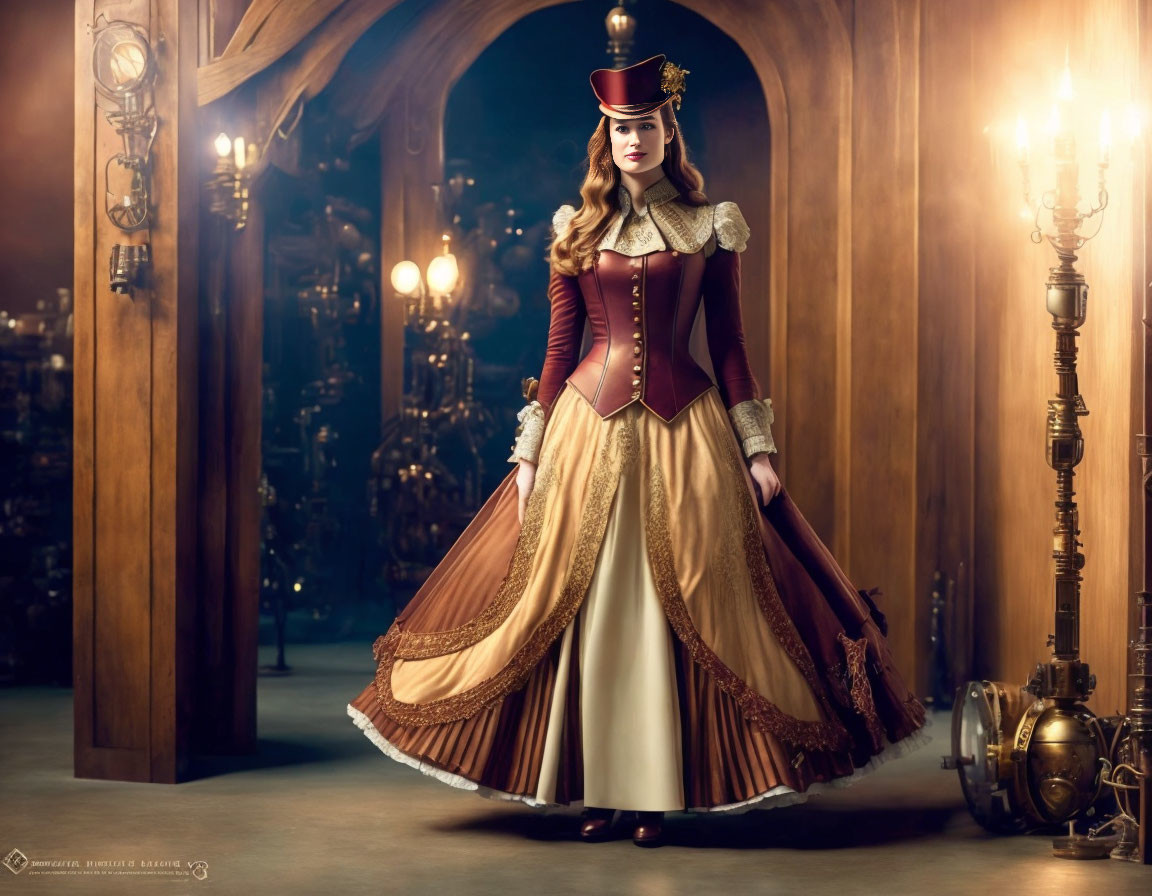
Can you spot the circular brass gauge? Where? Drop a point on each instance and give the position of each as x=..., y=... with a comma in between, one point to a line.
x=984, y=720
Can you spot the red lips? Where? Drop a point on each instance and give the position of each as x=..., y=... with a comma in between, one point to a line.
x=633, y=156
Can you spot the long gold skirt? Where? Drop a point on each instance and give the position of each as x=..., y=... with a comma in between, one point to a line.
x=631, y=649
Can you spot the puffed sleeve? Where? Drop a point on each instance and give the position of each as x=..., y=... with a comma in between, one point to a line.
x=751, y=416
x=565, y=335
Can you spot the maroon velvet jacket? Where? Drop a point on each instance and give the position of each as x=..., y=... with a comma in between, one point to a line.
x=641, y=310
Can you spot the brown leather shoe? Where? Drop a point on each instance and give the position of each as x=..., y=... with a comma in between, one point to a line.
x=649, y=830
x=596, y=823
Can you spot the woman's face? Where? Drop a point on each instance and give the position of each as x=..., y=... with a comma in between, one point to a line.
x=638, y=143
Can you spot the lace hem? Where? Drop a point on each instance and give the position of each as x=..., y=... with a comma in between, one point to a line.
x=778, y=797
x=390, y=749
x=783, y=795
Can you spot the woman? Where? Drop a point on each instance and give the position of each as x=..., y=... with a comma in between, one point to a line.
x=640, y=619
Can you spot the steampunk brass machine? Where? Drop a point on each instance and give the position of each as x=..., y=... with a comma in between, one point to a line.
x=1035, y=757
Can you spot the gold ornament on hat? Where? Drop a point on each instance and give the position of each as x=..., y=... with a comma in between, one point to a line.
x=672, y=80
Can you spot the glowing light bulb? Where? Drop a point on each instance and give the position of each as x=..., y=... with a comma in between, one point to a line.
x=223, y=145
x=443, y=274
x=405, y=277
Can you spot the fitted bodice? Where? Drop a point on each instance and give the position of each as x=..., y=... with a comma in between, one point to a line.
x=640, y=310
x=641, y=304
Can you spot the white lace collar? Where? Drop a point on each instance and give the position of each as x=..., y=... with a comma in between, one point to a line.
x=664, y=223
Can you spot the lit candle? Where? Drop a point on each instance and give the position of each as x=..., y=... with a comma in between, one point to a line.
x=241, y=156
x=1105, y=136
x=1065, y=93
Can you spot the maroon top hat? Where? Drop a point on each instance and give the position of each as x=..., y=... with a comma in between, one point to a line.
x=639, y=89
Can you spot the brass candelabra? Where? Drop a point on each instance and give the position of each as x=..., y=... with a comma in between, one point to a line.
x=1036, y=756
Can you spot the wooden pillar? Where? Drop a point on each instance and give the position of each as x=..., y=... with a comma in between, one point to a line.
x=229, y=506
x=135, y=427
x=412, y=163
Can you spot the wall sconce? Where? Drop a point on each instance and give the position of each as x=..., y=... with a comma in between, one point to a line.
x=124, y=69
x=228, y=186
x=440, y=281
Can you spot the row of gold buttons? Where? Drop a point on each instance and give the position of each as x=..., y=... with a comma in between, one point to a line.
x=637, y=332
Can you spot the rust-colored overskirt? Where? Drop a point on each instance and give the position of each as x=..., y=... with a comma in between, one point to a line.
x=784, y=681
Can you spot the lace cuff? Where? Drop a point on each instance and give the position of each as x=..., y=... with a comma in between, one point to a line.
x=752, y=420
x=529, y=434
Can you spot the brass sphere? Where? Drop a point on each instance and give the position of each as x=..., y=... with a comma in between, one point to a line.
x=1063, y=762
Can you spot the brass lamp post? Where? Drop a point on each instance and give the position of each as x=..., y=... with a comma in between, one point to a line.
x=1059, y=742
x=1036, y=756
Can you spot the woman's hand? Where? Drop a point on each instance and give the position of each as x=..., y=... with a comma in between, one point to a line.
x=760, y=467
x=525, y=480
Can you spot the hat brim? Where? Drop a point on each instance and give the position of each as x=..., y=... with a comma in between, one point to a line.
x=627, y=112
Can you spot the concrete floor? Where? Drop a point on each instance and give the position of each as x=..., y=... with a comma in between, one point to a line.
x=321, y=810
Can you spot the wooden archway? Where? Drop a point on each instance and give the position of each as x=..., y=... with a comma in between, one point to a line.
x=819, y=366
x=802, y=56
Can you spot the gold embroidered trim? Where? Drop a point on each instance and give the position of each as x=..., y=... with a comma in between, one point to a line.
x=629, y=439
x=731, y=228
x=593, y=522
x=666, y=223
x=753, y=420
x=855, y=653
x=638, y=236
x=764, y=582
x=685, y=228
x=657, y=194
x=412, y=645
x=816, y=735
x=529, y=434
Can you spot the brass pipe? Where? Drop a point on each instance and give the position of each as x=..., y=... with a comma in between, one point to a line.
x=1140, y=708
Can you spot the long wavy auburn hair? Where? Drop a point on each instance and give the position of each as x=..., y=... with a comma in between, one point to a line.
x=576, y=250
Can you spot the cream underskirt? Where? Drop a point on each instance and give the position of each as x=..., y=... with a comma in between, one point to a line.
x=629, y=707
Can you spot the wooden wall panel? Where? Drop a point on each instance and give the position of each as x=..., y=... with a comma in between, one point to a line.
x=882, y=431
x=947, y=237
